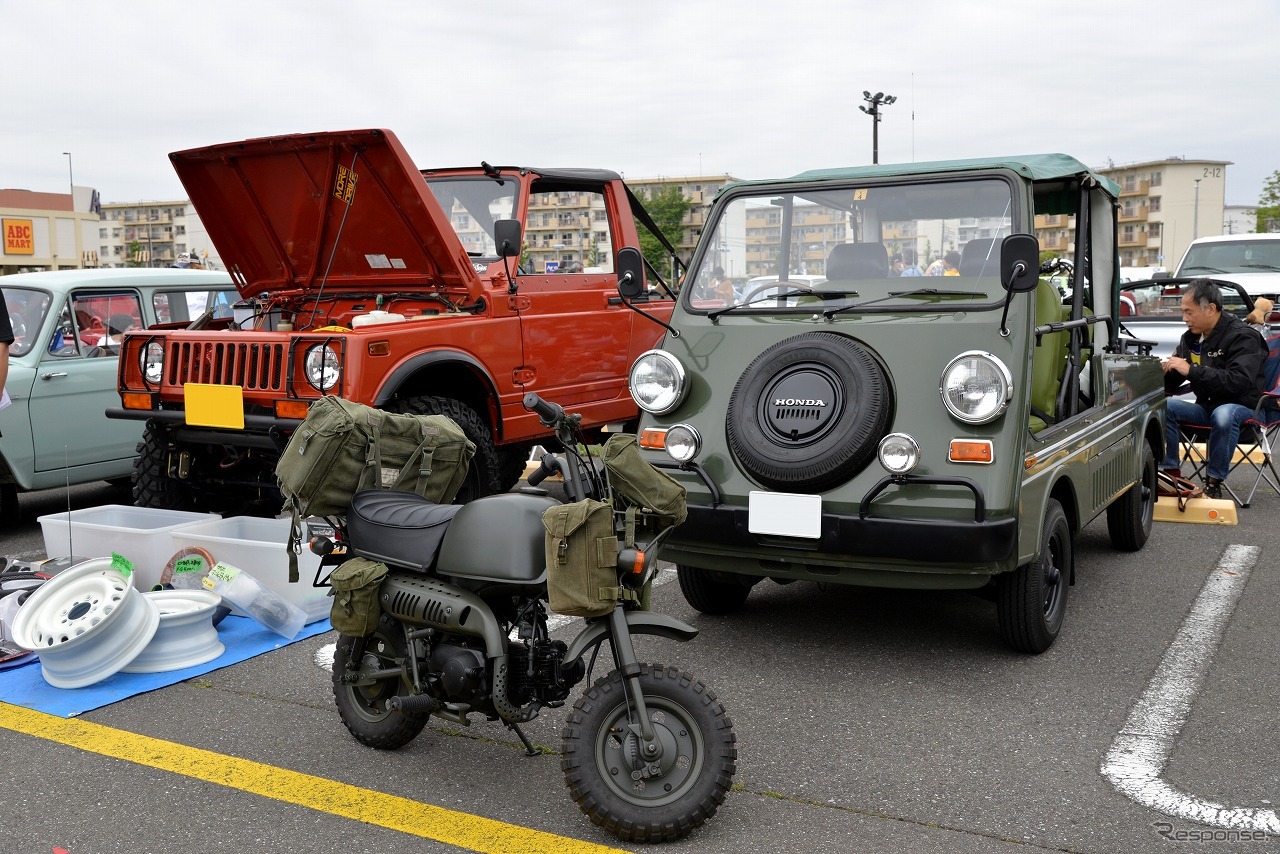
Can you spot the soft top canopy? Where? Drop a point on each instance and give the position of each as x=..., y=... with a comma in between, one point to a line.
x=1035, y=167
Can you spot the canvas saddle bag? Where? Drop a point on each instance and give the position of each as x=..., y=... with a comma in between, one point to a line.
x=343, y=447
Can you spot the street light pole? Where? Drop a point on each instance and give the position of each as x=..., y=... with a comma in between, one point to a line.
x=1195, y=221
x=72, y=177
x=876, y=101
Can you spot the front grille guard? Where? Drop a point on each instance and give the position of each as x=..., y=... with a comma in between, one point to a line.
x=269, y=366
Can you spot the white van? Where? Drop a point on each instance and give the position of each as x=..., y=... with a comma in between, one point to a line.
x=1250, y=260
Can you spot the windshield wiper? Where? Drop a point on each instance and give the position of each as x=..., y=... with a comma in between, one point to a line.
x=1262, y=266
x=797, y=289
x=933, y=292
x=1203, y=267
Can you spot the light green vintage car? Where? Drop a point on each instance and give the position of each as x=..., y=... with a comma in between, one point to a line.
x=62, y=368
x=950, y=423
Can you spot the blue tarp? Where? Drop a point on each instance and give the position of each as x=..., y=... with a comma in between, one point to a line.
x=242, y=637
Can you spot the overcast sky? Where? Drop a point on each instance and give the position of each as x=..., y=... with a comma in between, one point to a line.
x=754, y=89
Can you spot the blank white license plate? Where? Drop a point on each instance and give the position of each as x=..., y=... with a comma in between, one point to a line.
x=784, y=514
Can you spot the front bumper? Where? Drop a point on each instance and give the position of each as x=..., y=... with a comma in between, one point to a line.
x=939, y=542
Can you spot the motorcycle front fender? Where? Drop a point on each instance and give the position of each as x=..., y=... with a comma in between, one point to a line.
x=638, y=623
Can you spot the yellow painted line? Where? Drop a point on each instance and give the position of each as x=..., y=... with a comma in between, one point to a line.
x=390, y=811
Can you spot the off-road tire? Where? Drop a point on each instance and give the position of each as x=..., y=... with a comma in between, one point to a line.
x=8, y=505
x=801, y=446
x=709, y=594
x=697, y=767
x=511, y=463
x=152, y=486
x=1129, y=517
x=1031, y=601
x=484, y=475
x=364, y=709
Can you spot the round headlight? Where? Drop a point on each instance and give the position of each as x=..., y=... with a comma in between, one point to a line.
x=976, y=387
x=322, y=367
x=657, y=382
x=153, y=362
x=898, y=453
x=683, y=443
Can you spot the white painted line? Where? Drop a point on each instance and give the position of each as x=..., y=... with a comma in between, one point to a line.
x=1138, y=755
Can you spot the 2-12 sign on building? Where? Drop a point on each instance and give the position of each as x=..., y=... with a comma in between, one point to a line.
x=18, y=237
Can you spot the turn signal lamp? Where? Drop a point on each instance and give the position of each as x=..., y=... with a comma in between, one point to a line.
x=971, y=451
x=135, y=400
x=653, y=438
x=292, y=408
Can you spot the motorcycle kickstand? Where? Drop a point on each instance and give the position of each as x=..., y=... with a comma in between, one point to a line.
x=529, y=749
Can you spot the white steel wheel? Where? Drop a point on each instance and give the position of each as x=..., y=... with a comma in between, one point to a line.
x=85, y=623
x=186, y=636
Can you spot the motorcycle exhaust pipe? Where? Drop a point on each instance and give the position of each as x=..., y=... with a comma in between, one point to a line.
x=421, y=600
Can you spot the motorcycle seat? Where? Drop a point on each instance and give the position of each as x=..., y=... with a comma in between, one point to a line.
x=402, y=529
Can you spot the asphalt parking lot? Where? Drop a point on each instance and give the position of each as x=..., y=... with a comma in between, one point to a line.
x=867, y=720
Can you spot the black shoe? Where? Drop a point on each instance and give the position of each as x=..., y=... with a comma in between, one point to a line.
x=1212, y=487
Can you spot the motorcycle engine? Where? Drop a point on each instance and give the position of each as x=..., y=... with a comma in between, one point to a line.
x=540, y=671
x=462, y=671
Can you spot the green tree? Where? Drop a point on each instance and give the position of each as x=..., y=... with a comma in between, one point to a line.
x=668, y=207
x=1269, y=205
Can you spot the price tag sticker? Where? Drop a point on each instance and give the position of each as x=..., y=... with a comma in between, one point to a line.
x=188, y=564
x=223, y=572
x=122, y=564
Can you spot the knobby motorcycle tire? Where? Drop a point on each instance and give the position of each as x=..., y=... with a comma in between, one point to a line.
x=364, y=709
x=699, y=752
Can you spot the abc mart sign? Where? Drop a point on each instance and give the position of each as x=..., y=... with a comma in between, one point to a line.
x=19, y=238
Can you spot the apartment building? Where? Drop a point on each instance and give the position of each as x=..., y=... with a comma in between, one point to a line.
x=153, y=234
x=564, y=230
x=1164, y=205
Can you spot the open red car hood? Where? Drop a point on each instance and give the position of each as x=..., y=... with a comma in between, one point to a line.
x=277, y=207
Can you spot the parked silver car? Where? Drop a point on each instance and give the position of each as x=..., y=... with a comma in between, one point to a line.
x=62, y=368
x=1152, y=310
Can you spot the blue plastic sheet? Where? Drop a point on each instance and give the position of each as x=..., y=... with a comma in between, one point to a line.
x=242, y=637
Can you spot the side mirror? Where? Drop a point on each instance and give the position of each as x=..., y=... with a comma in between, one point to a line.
x=1020, y=263
x=506, y=235
x=630, y=272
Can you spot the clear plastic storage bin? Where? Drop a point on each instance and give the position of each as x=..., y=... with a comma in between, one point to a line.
x=140, y=534
x=258, y=546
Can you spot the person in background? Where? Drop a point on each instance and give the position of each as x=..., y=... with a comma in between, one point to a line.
x=935, y=268
x=117, y=326
x=909, y=266
x=1223, y=360
x=951, y=263
x=1258, y=317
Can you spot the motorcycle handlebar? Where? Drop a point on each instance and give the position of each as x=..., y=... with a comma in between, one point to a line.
x=548, y=413
x=548, y=467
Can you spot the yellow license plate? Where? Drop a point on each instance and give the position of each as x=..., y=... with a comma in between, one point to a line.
x=211, y=405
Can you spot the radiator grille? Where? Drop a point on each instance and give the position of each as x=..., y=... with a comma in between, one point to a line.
x=249, y=365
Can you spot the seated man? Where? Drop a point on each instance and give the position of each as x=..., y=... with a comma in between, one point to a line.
x=1222, y=358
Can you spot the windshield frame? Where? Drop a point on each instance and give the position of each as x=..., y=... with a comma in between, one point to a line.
x=843, y=297
x=484, y=251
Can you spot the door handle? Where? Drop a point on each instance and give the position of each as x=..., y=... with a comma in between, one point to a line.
x=53, y=375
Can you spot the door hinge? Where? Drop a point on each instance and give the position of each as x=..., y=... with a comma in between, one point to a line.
x=517, y=302
x=523, y=376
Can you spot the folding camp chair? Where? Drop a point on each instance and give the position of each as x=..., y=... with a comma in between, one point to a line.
x=1259, y=436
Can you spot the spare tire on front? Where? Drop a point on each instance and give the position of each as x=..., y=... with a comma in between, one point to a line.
x=807, y=413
